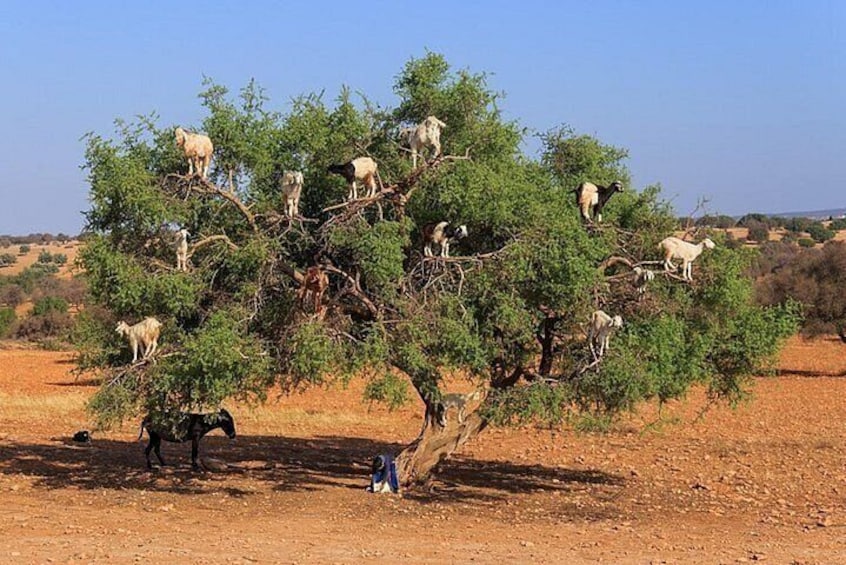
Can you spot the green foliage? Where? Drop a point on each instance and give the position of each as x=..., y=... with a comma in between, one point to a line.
x=7, y=318
x=716, y=221
x=819, y=232
x=235, y=323
x=388, y=389
x=806, y=242
x=24, y=249
x=46, y=257
x=50, y=304
x=838, y=224
x=575, y=158
x=7, y=259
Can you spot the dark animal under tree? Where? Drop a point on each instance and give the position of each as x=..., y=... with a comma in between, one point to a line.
x=188, y=426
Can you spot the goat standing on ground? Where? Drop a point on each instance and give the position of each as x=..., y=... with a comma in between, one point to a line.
x=182, y=250
x=441, y=234
x=363, y=169
x=675, y=248
x=314, y=284
x=292, y=187
x=601, y=327
x=426, y=134
x=591, y=198
x=188, y=426
x=145, y=332
x=198, y=149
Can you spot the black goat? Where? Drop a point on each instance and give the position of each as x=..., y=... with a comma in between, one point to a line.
x=188, y=426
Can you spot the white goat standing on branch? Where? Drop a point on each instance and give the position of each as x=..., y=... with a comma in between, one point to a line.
x=675, y=248
x=601, y=327
x=198, y=149
x=145, y=332
x=292, y=187
x=426, y=134
x=182, y=250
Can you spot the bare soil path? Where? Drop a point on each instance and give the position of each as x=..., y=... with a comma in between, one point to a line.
x=763, y=482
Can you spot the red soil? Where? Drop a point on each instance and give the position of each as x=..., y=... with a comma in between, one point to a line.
x=763, y=482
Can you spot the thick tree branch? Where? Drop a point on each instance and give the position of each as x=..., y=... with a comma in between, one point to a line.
x=203, y=186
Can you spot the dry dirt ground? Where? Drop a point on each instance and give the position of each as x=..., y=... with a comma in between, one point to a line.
x=763, y=482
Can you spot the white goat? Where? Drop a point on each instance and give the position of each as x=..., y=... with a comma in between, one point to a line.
x=145, y=332
x=292, y=187
x=642, y=277
x=426, y=134
x=198, y=149
x=675, y=248
x=182, y=250
x=601, y=327
x=363, y=169
x=441, y=234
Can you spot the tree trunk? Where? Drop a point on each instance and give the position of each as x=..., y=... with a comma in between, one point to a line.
x=435, y=443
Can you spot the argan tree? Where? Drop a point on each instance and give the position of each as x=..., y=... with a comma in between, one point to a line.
x=507, y=311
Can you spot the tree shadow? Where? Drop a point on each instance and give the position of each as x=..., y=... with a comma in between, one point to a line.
x=287, y=464
x=82, y=382
x=808, y=373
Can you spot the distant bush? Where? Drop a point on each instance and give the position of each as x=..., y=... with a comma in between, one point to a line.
x=7, y=259
x=806, y=242
x=29, y=278
x=12, y=295
x=24, y=249
x=50, y=304
x=758, y=231
x=50, y=325
x=7, y=318
x=45, y=257
x=819, y=232
x=838, y=224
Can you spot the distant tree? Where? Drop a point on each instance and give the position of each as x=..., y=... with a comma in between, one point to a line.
x=813, y=277
x=24, y=249
x=819, y=232
x=721, y=221
x=45, y=257
x=7, y=259
x=838, y=224
x=507, y=310
x=758, y=231
x=798, y=225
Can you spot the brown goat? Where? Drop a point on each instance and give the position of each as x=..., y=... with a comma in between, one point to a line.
x=315, y=282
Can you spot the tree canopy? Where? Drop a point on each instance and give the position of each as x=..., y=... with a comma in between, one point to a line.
x=509, y=310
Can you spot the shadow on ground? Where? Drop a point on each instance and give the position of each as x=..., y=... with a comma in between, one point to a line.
x=286, y=464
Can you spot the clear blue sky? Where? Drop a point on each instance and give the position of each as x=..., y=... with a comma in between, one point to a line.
x=740, y=101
